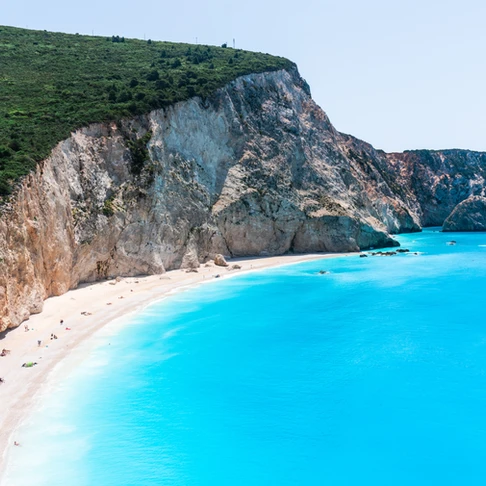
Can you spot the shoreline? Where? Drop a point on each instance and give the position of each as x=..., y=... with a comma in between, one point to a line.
x=86, y=310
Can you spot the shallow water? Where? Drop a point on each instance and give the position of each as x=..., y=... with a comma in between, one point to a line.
x=372, y=374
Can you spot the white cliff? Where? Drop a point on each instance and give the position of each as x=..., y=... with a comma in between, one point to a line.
x=257, y=169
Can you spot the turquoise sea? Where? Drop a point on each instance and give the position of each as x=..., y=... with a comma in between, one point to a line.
x=371, y=374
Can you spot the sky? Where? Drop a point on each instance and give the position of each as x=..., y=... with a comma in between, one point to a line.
x=400, y=75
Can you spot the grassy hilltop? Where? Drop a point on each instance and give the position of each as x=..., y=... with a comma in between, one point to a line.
x=53, y=83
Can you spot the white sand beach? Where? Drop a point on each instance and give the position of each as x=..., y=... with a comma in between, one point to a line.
x=84, y=311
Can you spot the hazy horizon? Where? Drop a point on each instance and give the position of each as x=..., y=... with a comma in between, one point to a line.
x=400, y=77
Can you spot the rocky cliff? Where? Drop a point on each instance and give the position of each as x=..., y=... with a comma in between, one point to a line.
x=433, y=182
x=469, y=215
x=256, y=169
x=428, y=183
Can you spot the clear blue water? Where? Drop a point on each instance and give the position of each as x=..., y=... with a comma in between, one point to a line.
x=373, y=374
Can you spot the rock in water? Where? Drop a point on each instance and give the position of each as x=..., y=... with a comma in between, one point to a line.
x=220, y=260
x=469, y=215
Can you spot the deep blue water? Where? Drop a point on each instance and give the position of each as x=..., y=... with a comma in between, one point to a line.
x=372, y=374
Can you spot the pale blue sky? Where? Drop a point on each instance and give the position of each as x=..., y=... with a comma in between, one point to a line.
x=400, y=75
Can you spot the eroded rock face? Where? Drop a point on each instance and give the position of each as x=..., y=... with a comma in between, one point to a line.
x=433, y=182
x=256, y=169
x=416, y=188
x=469, y=215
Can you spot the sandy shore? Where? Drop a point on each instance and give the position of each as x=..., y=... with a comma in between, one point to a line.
x=84, y=311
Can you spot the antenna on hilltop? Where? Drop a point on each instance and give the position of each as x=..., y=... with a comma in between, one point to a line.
x=196, y=40
x=234, y=43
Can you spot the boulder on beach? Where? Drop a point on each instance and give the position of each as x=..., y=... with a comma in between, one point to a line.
x=190, y=261
x=220, y=260
x=234, y=267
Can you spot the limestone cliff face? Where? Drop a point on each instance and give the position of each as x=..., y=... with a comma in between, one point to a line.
x=257, y=169
x=469, y=215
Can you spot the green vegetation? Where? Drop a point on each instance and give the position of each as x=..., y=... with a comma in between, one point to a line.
x=108, y=208
x=52, y=84
x=139, y=152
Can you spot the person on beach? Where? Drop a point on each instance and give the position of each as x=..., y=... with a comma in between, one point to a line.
x=62, y=322
x=16, y=443
x=30, y=364
x=2, y=380
x=26, y=328
x=39, y=342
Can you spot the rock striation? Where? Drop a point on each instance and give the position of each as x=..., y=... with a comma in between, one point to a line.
x=256, y=169
x=469, y=215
